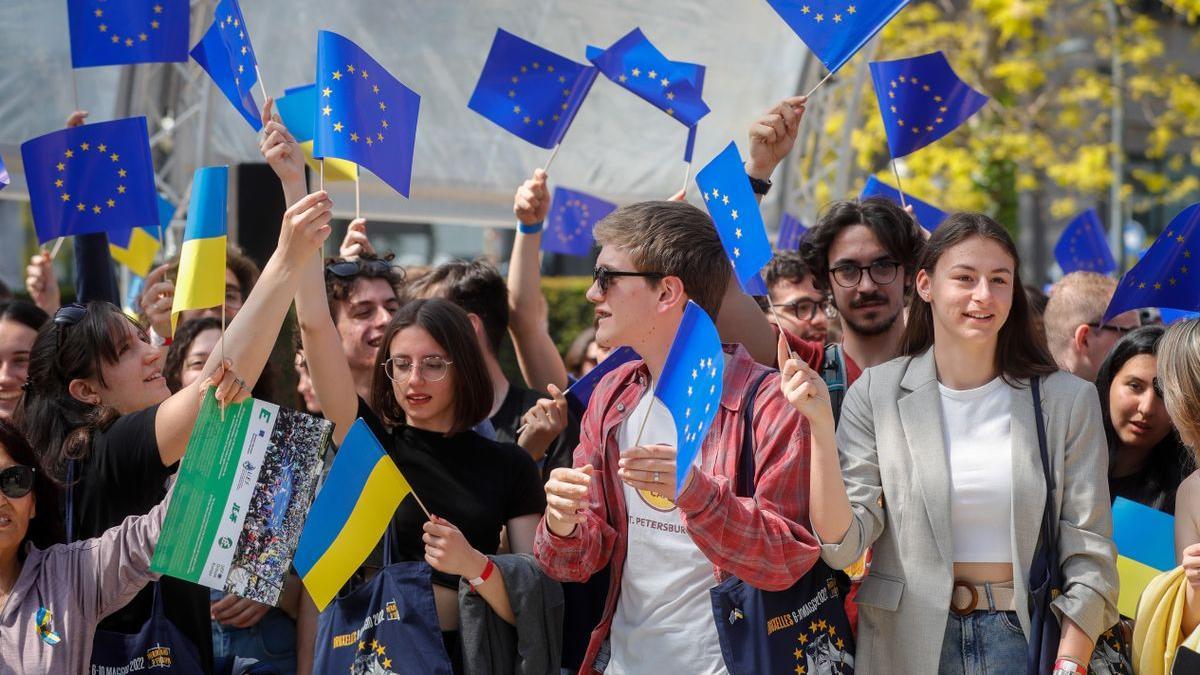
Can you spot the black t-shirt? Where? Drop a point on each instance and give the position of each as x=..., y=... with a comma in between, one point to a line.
x=507, y=420
x=123, y=475
x=475, y=483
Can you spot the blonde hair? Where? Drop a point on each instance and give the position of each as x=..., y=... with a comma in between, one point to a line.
x=1179, y=378
x=1077, y=299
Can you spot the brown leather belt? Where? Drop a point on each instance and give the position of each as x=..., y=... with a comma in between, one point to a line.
x=967, y=597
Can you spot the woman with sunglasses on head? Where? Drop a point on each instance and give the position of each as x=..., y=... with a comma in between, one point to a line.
x=1146, y=460
x=53, y=595
x=430, y=389
x=941, y=474
x=99, y=412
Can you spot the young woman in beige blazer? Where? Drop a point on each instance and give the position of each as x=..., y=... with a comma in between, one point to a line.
x=940, y=474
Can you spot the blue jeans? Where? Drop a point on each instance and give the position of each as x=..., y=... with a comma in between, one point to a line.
x=983, y=642
x=272, y=641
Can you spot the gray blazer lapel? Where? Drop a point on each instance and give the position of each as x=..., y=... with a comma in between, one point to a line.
x=921, y=417
x=1029, y=484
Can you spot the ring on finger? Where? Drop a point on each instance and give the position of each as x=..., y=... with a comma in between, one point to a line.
x=656, y=477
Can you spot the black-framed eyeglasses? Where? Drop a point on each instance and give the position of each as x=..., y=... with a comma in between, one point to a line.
x=1121, y=331
x=805, y=309
x=348, y=269
x=67, y=316
x=882, y=272
x=603, y=277
x=16, y=481
x=433, y=368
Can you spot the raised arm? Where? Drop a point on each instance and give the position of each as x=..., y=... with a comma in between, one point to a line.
x=537, y=355
x=248, y=341
x=330, y=371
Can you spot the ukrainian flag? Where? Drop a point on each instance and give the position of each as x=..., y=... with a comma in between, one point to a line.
x=298, y=110
x=136, y=248
x=1145, y=539
x=349, y=515
x=201, y=281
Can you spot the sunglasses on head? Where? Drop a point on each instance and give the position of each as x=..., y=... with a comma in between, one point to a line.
x=67, y=316
x=16, y=481
x=348, y=269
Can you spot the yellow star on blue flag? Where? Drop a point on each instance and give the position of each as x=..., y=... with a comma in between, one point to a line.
x=1083, y=246
x=364, y=115
x=106, y=33
x=226, y=55
x=1166, y=274
x=836, y=29
x=922, y=100
x=634, y=63
x=92, y=178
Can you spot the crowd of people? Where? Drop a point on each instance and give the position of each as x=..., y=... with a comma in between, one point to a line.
x=899, y=406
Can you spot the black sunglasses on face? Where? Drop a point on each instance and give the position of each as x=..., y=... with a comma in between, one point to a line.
x=603, y=277
x=348, y=269
x=16, y=481
x=1119, y=330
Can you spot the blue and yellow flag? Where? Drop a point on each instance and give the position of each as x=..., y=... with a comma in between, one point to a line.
x=226, y=55
x=349, y=515
x=1083, y=246
x=836, y=29
x=91, y=178
x=201, y=280
x=734, y=209
x=928, y=216
x=1145, y=540
x=921, y=100
x=117, y=33
x=3, y=175
x=690, y=384
x=637, y=65
x=136, y=248
x=570, y=220
x=365, y=115
x=529, y=90
x=1166, y=275
x=298, y=110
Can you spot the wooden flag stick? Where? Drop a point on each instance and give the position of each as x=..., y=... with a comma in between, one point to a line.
x=645, y=419
x=322, y=173
x=357, y=196
x=419, y=502
x=899, y=187
x=221, y=404
x=57, y=245
x=791, y=354
x=814, y=89
x=551, y=160
x=74, y=90
x=687, y=176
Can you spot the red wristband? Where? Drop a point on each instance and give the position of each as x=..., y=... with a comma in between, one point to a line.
x=483, y=576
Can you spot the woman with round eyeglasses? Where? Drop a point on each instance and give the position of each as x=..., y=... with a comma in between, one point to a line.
x=430, y=389
x=53, y=595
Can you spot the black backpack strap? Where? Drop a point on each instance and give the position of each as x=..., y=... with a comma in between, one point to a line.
x=833, y=372
x=1049, y=527
x=746, y=467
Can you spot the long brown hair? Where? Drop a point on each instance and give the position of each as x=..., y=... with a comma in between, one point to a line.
x=1021, y=350
x=450, y=327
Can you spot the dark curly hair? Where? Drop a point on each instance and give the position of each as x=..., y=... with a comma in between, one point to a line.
x=897, y=231
x=180, y=346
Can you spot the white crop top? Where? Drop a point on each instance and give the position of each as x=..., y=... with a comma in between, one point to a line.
x=978, y=438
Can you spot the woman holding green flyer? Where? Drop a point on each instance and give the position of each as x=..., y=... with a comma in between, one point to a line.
x=53, y=595
x=100, y=414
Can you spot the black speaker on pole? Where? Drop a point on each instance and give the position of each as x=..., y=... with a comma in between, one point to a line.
x=259, y=212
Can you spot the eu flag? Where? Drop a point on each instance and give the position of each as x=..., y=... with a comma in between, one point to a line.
x=1083, y=246
x=572, y=215
x=734, y=210
x=116, y=33
x=226, y=55
x=791, y=231
x=921, y=100
x=91, y=178
x=637, y=65
x=4, y=179
x=297, y=109
x=1164, y=277
x=690, y=385
x=696, y=77
x=580, y=393
x=928, y=216
x=836, y=29
x=530, y=91
x=366, y=116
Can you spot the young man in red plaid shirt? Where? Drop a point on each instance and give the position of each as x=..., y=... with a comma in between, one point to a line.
x=616, y=507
